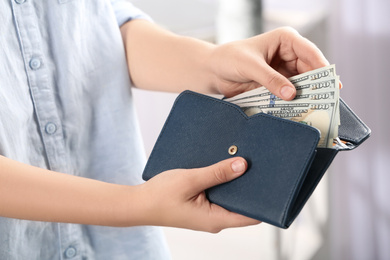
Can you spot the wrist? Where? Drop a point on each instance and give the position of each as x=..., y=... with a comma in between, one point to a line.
x=132, y=207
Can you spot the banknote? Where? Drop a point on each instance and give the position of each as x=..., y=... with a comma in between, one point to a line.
x=318, y=115
x=257, y=92
x=328, y=72
x=314, y=96
x=302, y=88
x=316, y=102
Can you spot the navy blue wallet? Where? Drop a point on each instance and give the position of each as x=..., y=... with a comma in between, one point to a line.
x=284, y=163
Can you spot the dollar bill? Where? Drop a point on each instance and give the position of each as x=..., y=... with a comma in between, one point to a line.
x=316, y=102
x=328, y=72
x=300, y=97
x=302, y=88
x=318, y=75
x=318, y=115
x=257, y=92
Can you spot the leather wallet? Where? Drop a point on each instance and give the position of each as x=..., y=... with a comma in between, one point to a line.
x=284, y=163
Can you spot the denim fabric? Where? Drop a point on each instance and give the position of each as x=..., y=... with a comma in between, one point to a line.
x=66, y=105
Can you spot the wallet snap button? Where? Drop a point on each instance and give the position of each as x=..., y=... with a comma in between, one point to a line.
x=232, y=150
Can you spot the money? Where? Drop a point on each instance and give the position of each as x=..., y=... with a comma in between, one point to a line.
x=328, y=72
x=316, y=103
x=318, y=115
x=301, y=97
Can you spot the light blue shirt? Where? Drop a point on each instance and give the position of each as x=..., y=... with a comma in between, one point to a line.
x=66, y=105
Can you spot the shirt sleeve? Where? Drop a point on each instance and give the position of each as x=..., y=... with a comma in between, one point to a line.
x=126, y=11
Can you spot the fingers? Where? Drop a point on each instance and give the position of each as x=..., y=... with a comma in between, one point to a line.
x=275, y=82
x=221, y=172
x=220, y=219
x=286, y=53
x=294, y=46
x=308, y=54
x=215, y=218
x=179, y=199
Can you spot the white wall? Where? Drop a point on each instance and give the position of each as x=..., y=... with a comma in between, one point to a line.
x=360, y=216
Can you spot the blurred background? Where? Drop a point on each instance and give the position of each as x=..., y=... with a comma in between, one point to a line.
x=348, y=216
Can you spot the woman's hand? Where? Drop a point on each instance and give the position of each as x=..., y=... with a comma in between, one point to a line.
x=264, y=60
x=176, y=198
x=160, y=60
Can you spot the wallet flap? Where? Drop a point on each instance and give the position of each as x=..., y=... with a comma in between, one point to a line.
x=352, y=129
x=200, y=130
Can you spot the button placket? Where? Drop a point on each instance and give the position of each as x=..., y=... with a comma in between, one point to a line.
x=46, y=120
x=40, y=80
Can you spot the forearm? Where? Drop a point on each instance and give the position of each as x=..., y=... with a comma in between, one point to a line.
x=28, y=192
x=161, y=60
x=174, y=198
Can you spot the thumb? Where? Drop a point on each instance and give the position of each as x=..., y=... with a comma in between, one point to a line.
x=221, y=172
x=275, y=82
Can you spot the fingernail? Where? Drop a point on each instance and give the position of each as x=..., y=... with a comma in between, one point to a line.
x=286, y=92
x=238, y=166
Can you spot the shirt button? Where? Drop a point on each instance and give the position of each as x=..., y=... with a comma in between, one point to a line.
x=70, y=252
x=50, y=128
x=20, y=1
x=35, y=63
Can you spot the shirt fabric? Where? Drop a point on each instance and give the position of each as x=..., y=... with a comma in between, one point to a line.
x=66, y=105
